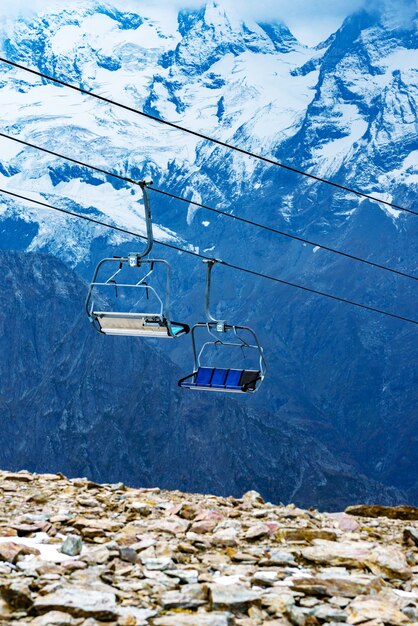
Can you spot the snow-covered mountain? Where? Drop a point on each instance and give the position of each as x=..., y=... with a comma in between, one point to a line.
x=346, y=110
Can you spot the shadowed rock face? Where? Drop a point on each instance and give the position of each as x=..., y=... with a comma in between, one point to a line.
x=109, y=408
x=150, y=557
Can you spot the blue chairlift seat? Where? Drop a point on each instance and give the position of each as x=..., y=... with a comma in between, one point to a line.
x=221, y=379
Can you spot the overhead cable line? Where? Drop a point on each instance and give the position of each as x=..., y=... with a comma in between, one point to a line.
x=195, y=133
x=209, y=208
x=224, y=263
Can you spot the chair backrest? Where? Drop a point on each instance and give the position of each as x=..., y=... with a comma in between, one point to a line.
x=249, y=379
x=216, y=377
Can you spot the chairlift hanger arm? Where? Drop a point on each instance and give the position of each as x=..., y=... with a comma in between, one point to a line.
x=209, y=266
x=134, y=258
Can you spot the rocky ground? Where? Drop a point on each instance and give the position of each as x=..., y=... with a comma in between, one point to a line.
x=75, y=553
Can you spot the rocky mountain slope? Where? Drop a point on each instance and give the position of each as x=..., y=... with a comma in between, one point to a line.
x=345, y=110
x=77, y=553
x=81, y=403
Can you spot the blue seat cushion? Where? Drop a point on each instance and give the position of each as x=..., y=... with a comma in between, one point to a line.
x=233, y=379
x=219, y=377
x=204, y=376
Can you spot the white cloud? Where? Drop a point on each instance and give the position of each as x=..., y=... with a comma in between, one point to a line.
x=310, y=20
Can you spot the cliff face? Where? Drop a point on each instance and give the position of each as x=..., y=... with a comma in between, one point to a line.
x=77, y=553
x=85, y=404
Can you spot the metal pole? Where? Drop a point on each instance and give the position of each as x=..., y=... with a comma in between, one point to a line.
x=135, y=257
x=209, y=263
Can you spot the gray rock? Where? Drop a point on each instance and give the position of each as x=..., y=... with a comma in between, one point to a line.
x=189, y=597
x=233, y=597
x=410, y=535
x=253, y=498
x=17, y=594
x=157, y=563
x=365, y=608
x=140, y=615
x=328, y=613
x=79, y=602
x=128, y=554
x=72, y=545
x=265, y=578
x=279, y=557
x=200, y=619
x=56, y=618
x=188, y=576
x=256, y=532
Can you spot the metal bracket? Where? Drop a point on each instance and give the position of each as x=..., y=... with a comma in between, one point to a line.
x=220, y=324
x=134, y=258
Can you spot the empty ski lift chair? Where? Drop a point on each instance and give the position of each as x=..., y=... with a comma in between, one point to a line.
x=134, y=323
x=214, y=377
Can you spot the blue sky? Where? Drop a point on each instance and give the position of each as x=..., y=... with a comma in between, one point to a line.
x=310, y=20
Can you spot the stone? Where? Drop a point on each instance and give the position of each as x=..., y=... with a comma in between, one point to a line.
x=278, y=602
x=189, y=597
x=225, y=537
x=56, y=618
x=73, y=565
x=297, y=535
x=80, y=602
x=410, y=535
x=72, y=546
x=278, y=557
x=199, y=619
x=17, y=594
x=157, y=563
x=23, y=477
x=96, y=556
x=253, y=498
x=132, y=615
x=389, y=561
x=188, y=511
x=350, y=586
x=265, y=578
x=5, y=610
x=366, y=608
x=257, y=532
x=204, y=526
x=10, y=551
x=328, y=613
x=352, y=553
x=402, y=512
x=300, y=616
x=93, y=525
x=142, y=508
x=128, y=554
x=345, y=522
x=233, y=597
x=188, y=576
x=174, y=525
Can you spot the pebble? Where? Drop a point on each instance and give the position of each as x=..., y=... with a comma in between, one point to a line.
x=72, y=545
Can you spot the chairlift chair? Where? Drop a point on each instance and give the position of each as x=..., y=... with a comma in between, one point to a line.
x=211, y=377
x=134, y=323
